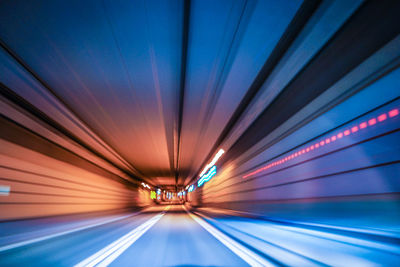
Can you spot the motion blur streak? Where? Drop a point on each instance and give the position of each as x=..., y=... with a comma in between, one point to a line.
x=212, y=163
x=35, y=240
x=271, y=130
x=247, y=255
x=105, y=256
x=206, y=177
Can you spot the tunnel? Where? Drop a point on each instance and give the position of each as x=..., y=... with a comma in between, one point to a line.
x=199, y=133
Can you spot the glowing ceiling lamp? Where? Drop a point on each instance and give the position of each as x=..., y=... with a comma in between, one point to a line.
x=212, y=163
x=208, y=176
x=145, y=185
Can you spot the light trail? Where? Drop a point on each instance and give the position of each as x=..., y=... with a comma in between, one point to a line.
x=327, y=140
x=244, y=253
x=212, y=163
x=108, y=254
x=47, y=237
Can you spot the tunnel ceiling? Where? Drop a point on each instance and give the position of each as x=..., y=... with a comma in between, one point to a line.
x=156, y=87
x=157, y=81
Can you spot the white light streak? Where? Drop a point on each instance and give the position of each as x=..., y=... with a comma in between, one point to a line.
x=212, y=163
x=108, y=254
x=244, y=253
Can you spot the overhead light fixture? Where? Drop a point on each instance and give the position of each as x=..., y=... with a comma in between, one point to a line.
x=212, y=163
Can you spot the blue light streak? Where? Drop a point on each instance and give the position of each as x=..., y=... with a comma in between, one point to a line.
x=208, y=176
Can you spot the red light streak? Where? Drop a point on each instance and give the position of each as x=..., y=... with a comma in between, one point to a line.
x=372, y=122
x=327, y=140
x=382, y=117
x=392, y=113
x=363, y=125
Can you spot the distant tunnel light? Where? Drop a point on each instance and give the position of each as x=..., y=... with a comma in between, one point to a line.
x=145, y=185
x=191, y=188
x=212, y=163
x=392, y=113
x=4, y=190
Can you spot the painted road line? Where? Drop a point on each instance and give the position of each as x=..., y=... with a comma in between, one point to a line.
x=108, y=254
x=244, y=253
x=35, y=240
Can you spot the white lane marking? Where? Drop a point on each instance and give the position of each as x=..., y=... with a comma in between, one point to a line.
x=108, y=254
x=244, y=253
x=34, y=240
x=4, y=190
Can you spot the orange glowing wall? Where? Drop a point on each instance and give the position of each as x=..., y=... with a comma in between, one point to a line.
x=46, y=179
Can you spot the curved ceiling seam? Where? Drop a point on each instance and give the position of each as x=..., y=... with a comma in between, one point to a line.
x=215, y=83
x=184, y=59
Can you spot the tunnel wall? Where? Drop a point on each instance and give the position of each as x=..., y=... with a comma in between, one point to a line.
x=45, y=179
x=350, y=177
x=51, y=163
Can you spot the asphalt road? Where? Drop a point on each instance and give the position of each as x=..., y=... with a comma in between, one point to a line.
x=174, y=240
x=170, y=236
